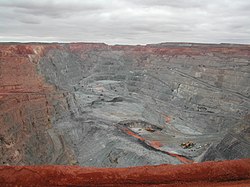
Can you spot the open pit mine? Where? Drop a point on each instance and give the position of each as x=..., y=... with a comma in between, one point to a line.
x=91, y=114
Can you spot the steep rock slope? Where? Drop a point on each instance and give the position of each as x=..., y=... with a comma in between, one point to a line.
x=27, y=105
x=118, y=106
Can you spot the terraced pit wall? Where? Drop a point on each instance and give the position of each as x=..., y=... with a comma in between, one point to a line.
x=118, y=106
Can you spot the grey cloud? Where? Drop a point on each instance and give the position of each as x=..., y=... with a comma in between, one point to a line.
x=30, y=21
x=175, y=3
x=54, y=9
x=68, y=5
x=125, y=21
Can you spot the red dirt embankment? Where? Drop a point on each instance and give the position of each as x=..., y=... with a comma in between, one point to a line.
x=225, y=173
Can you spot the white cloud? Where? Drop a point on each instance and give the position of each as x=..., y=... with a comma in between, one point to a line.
x=125, y=21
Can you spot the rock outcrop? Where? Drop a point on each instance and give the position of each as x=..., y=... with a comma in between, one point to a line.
x=119, y=106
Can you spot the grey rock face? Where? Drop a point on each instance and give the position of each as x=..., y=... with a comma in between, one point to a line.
x=234, y=145
x=198, y=98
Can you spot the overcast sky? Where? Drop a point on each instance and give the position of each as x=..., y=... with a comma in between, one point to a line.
x=126, y=21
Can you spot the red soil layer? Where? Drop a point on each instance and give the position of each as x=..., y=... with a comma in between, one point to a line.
x=173, y=50
x=18, y=69
x=225, y=173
